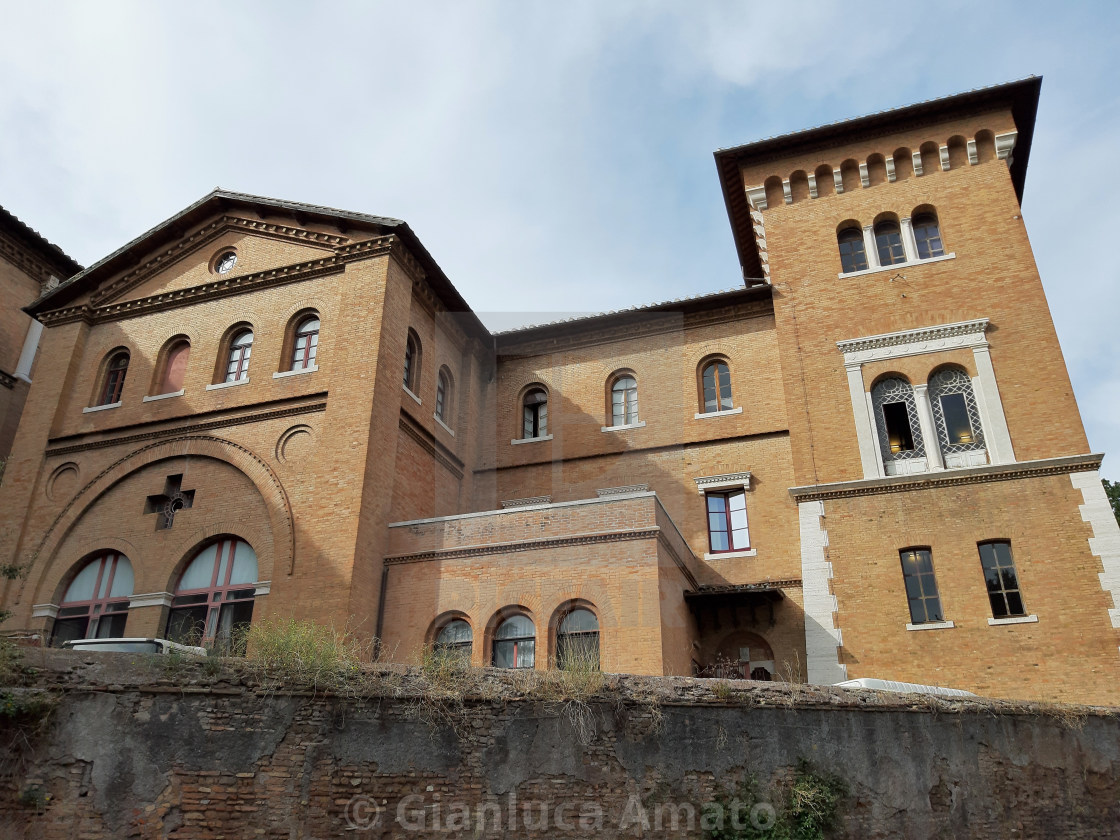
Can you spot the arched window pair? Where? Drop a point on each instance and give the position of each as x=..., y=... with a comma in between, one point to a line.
x=887, y=235
x=515, y=641
x=413, y=352
x=304, y=343
x=955, y=413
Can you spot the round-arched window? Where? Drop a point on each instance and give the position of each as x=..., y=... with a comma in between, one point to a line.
x=95, y=605
x=240, y=349
x=455, y=639
x=624, y=401
x=577, y=641
x=716, y=382
x=213, y=599
x=515, y=643
x=306, y=345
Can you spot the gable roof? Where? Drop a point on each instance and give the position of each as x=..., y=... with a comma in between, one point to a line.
x=1021, y=97
x=35, y=241
x=173, y=228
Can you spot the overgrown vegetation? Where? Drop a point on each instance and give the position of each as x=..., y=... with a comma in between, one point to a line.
x=1112, y=490
x=806, y=808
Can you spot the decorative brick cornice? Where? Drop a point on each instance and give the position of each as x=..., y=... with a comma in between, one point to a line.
x=526, y=502
x=947, y=478
x=18, y=254
x=196, y=240
x=518, y=546
x=608, y=492
x=433, y=447
x=7, y=380
x=190, y=428
x=719, y=482
x=224, y=287
x=963, y=334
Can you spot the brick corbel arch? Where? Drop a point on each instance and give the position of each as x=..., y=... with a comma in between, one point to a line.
x=200, y=446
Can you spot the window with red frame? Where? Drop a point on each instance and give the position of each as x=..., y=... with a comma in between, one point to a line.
x=114, y=380
x=239, y=351
x=727, y=521
x=515, y=643
x=306, y=345
x=213, y=600
x=95, y=605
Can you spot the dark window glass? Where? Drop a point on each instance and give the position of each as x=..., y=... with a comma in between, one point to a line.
x=717, y=387
x=921, y=585
x=727, y=521
x=455, y=639
x=900, y=437
x=888, y=239
x=927, y=235
x=853, y=256
x=441, y=396
x=957, y=425
x=577, y=641
x=114, y=380
x=67, y=629
x=1001, y=580
x=535, y=411
x=515, y=643
x=409, y=360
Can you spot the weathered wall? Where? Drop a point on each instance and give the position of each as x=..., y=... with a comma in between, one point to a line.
x=128, y=754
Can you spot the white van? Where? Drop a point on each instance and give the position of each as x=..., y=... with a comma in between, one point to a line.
x=159, y=646
x=904, y=687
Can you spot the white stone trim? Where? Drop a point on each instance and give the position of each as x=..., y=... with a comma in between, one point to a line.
x=626, y=490
x=865, y=425
x=962, y=334
x=408, y=391
x=704, y=415
x=30, y=348
x=530, y=501
x=877, y=268
x=870, y=250
x=446, y=428
x=864, y=175
x=997, y=437
x=838, y=180
x=973, y=154
x=723, y=482
x=944, y=150
x=623, y=427
x=1005, y=145
x=928, y=428
x=92, y=408
x=166, y=396
x=932, y=625
x=917, y=159
x=535, y=506
x=280, y=374
x=730, y=555
x=44, y=610
x=822, y=636
x=813, y=193
x=531, y=440
x=787, y=191
x=262, y=587
x=218, y=385
x=891, y=174
x=1019, y=619
x=150, y=599
x=1105, y=542
x=756, y=196
x=909, y=244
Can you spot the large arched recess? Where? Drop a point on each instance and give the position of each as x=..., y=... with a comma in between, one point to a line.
x=242, y=458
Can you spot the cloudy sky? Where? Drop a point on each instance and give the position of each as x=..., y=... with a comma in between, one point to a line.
x=554, y=155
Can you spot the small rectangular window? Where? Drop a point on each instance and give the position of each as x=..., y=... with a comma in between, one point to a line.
x=899, y=434
x=1001, y=579
x=921, y=585
x=727, y=521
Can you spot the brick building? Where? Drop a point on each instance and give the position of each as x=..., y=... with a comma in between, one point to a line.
x=866, y=461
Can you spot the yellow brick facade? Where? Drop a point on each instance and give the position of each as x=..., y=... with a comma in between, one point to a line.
x=366, y=509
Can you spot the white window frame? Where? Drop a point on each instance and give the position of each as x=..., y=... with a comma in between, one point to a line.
x=909, y=248
x=969, y=335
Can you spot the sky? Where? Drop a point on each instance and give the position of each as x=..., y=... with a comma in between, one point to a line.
x=553, y=157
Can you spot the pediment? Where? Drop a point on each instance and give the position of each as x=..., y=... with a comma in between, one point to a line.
x=188, y=262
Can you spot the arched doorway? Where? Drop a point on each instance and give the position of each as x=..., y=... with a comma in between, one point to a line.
x=213, y=599
x=746, y=656
x=95, y=605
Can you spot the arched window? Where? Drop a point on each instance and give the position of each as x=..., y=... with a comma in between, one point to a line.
x=624, y=401
x=853, y=255
x=412, y=362
x=240, y=348
x=888, y=241
x=306, y=343
x=927, y=236
x=534, y=409
x=174, y=368
x=896, y=416
x=455, y=640
x=213, y=599
x=577, y=641
x=95, y=605
x=955, y=413
x=515, y=643
x=716, y=383
x=113, y=382
x=443, y=394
